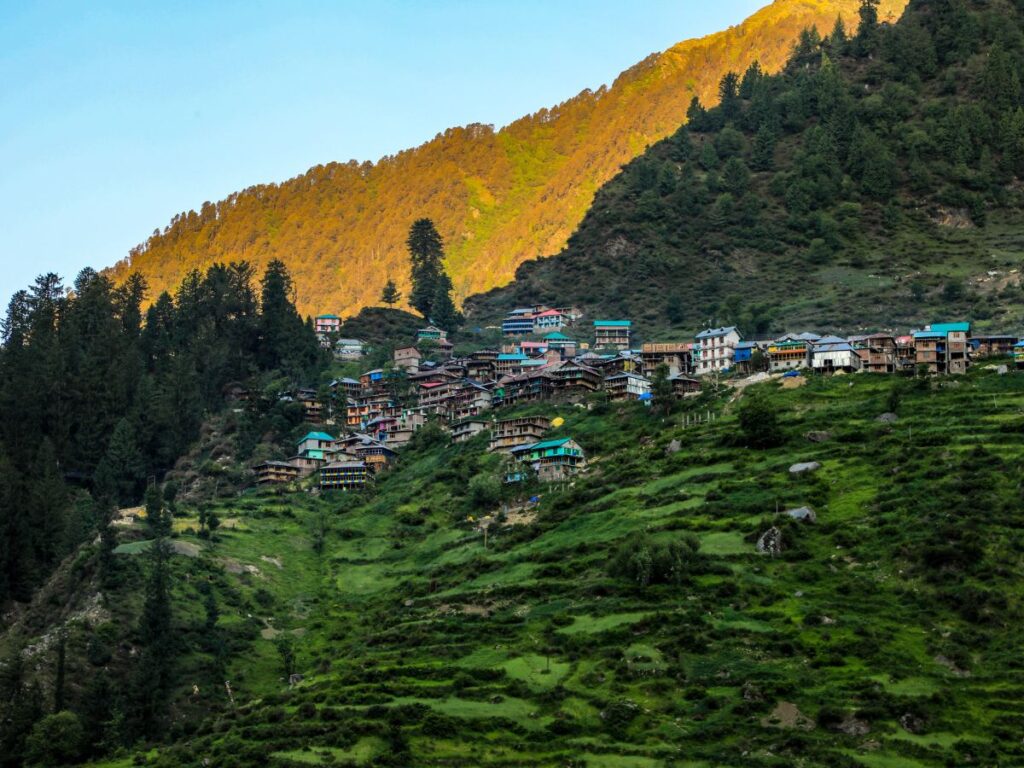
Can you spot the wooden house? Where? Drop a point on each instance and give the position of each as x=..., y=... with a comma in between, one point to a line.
x=312, y=408
x=344, y=476
x=552, y=460
x=684, y=385
x=376, y=455
x=614, y=334
x=627, y=386
x=993, y=345
x=467, y=429
x=510, y=363
x=714, y=349
x=509, y=433
x=524, y=387
x=676, y=356
x=1018, y=354
x=276, y=473
x=575, y=376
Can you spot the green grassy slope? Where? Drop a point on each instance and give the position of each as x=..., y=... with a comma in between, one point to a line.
x=420, y=646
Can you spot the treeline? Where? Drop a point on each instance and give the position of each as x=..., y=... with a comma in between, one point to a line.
x=867, y=135
x=98, y=398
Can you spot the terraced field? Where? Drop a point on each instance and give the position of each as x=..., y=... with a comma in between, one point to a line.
x=885, y=633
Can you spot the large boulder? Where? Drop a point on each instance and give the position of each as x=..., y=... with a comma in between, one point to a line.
x=803, y=514
x=888, y=418
x=818, y=436
x=804, y=466
x=770, y=542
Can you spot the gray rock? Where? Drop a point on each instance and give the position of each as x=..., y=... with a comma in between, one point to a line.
x=1002, y=370
x=805, y=514
x=673, y=447
x=294, y=679
x=770, y=542
x=888, y=418
x=911, y=723
x=818, y=436
x=804, y=466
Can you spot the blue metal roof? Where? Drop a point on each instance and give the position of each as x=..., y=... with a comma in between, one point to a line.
x=317, y=436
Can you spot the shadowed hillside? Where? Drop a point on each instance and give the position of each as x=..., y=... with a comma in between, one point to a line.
x=498, y=198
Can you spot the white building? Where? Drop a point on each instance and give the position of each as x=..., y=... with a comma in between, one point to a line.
x=348, y=349
x=831, y=353
x=714, y=350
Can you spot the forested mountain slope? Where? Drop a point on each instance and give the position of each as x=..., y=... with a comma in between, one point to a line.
x=875, y=182
x=497, y=197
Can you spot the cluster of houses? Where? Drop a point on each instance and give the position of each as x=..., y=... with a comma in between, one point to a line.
x=381, y=410
x=350, y=462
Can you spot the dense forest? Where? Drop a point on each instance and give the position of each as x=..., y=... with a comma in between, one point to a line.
x=98, y=398
x=874, y=182
x=498, y=197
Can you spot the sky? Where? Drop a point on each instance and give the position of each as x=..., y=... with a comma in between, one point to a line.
x=115, y=116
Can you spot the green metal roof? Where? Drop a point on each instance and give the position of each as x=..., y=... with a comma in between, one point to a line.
x=545, y=444
x=951, y=327
x=317, y=436
x=615, y=323
x=556, y=336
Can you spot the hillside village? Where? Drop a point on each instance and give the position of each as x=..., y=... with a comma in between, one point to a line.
x=543, y=357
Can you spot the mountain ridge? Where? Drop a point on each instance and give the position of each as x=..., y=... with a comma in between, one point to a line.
x=499, y=197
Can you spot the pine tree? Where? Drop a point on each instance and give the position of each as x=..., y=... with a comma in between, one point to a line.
x=444, y=314
x=867, y=30
x=390, y=295
x=426, y=251
x=120, y=473
x=728, y=93
x=763, y=155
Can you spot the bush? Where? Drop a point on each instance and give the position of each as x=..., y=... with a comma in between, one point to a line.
x=759, y=424
x=57, y=739
x=644, y=561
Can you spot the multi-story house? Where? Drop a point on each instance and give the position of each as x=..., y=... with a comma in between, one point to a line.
x=675, y=355
x=627, y=386
x=878, y=352
x=559, y=341
x=831, y=354
x=552, y=460
x=467, y=429
x=1018, y=354
x=509, y=433
x=612, y=333
x=791, y=352
x=408, y=359
x=431, y=333
x=314, y=444
x=549, y=320
x=714, y=349
x=313, y=409
x=325, y=324
x=510, y=363
x=518, y=322
x=344, y=476
x=943, y=347
x=572, y=375
x=276, y=473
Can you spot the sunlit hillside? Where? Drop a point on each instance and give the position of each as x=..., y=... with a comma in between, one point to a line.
x=499, y=197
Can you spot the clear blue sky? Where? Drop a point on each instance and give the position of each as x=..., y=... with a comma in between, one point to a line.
x=116, y=116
